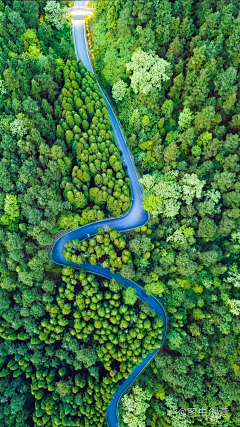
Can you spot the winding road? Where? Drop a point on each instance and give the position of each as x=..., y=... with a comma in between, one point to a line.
x=135, y=217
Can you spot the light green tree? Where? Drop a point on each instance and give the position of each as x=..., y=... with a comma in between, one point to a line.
x=18, y=128
x=148, y=71
x=155, y=288
x=233, y=278
x=3, y=89
x=234, y=306
x=63, y=388
x=185, y=118
x=11, y=209
x=55, y=14
x=163, y=197
x=31, y=43
x=192, y=187
x=177, y=419
x=135, y=406
x=119, y=90
x=129, y=296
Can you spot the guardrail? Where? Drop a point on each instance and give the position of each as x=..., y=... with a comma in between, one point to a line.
x=57, y=236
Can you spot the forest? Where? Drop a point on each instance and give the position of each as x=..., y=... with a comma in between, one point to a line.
x=172, y=70
x=59, y=169
x=67, y=337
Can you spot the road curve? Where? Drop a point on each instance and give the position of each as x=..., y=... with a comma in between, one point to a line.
x=135, y=217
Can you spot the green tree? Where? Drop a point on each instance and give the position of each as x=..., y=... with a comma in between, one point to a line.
x=135, y=406
x=129, y=296
x=11, y=209
x=119, y=90
x=55, y=14
x=148, y=71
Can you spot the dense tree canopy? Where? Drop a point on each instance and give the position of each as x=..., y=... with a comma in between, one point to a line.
x=183, y=128
x=97, y=177
x=55, y=137
x=68, y=338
